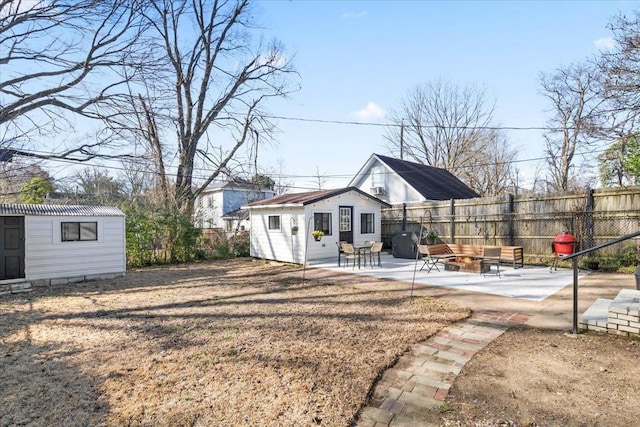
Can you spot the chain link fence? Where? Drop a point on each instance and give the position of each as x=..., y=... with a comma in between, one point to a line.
x=533, y=231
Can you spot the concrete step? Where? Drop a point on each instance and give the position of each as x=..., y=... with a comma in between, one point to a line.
x=619, y=316
x=595, y=318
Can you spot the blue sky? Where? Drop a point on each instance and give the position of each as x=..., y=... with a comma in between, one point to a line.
x=358, y=59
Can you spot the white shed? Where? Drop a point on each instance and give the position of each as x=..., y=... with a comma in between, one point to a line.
x=346, y=214
x=55, y=244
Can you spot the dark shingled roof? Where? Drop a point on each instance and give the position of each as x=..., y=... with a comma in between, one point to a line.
x=311, y=197
x=433, y=183
x=237, y=214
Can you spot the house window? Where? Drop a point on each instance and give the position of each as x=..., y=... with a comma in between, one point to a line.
x=79, y=231
x=274, y=222
x=378, y=177
x=366, y=223
x=345, y=219
x=322, y=222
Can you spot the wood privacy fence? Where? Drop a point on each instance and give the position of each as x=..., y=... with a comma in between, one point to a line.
x=592, y=216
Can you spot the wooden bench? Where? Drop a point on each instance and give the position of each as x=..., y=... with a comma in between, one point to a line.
x=510, y=254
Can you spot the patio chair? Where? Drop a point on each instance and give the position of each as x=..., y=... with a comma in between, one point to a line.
x=375, y=250
x=491, y=256
x=350, y=253
x=340, y=250
x=428, y=260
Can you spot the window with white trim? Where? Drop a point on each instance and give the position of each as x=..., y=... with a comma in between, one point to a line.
x=274, y=222
x=79, y=231
x=367, y=223
x=322, y=222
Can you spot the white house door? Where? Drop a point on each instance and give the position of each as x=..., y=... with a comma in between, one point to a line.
x=346, y=224
x=11, y=247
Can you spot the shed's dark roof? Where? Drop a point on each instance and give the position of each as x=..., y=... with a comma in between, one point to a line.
x=433, y=183
x=302, y=199
x=237, y=214
x=60, y=210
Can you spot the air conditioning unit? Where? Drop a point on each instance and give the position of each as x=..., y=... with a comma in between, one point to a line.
x=377, y=191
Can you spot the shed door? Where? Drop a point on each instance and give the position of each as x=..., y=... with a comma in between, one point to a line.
x=11, y=247
x=346, y=224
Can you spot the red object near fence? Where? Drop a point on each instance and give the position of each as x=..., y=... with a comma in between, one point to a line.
x=563, y=244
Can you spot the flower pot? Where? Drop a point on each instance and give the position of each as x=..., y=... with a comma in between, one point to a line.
x=317, y=238
x=294, y=231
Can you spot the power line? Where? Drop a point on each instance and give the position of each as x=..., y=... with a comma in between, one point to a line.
x=399, y=125
x=332, y=176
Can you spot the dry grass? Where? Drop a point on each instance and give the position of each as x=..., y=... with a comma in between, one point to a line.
x=225, y=343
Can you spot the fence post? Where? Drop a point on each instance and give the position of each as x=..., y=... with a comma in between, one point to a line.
x=452, y=220
x=404, y=217
x=511, y=226
x=588, y=221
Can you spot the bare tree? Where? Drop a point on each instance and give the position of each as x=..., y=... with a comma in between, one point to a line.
x=58, y=59
x=621, y=68
x=576, y=108
x=206, y=80
x=495, y=175
x=319, y=180
x=283, y=182
x=443, y=125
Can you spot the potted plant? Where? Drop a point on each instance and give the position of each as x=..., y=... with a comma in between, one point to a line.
x=430, y=234
x=294, y=230
x=317, y=235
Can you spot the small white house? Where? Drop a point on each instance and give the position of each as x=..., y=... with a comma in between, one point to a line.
x=217, y=206
x=398, y=181
x=346, y=214
x=55, y=244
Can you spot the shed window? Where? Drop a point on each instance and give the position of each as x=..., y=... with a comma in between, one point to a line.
x=79, y=231
x=322, y=222
x=366, y=223
x=274, y=222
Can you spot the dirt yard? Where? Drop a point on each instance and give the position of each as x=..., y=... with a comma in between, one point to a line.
x=545, y=378
x=244, y=342
x=227, y=343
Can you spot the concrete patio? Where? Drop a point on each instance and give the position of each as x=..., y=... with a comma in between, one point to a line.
x=533, y=283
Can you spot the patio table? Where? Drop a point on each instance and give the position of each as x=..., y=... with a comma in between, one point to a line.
x=360, y=250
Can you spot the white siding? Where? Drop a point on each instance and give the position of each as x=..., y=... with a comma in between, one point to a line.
x=281, y=245
x=47, y=257
x=396, y=190
x=211, y=206
x=327, y=246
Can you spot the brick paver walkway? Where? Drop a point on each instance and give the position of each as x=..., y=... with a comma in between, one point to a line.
x=412, y=392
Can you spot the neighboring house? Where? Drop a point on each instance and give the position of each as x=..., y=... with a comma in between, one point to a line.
x=399, y=181
x=236, y=220
x=346, y=214
x=54, y=244
x=215, y=206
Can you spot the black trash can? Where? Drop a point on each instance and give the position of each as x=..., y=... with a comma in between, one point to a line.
x=404, y=245
x=638, y=279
